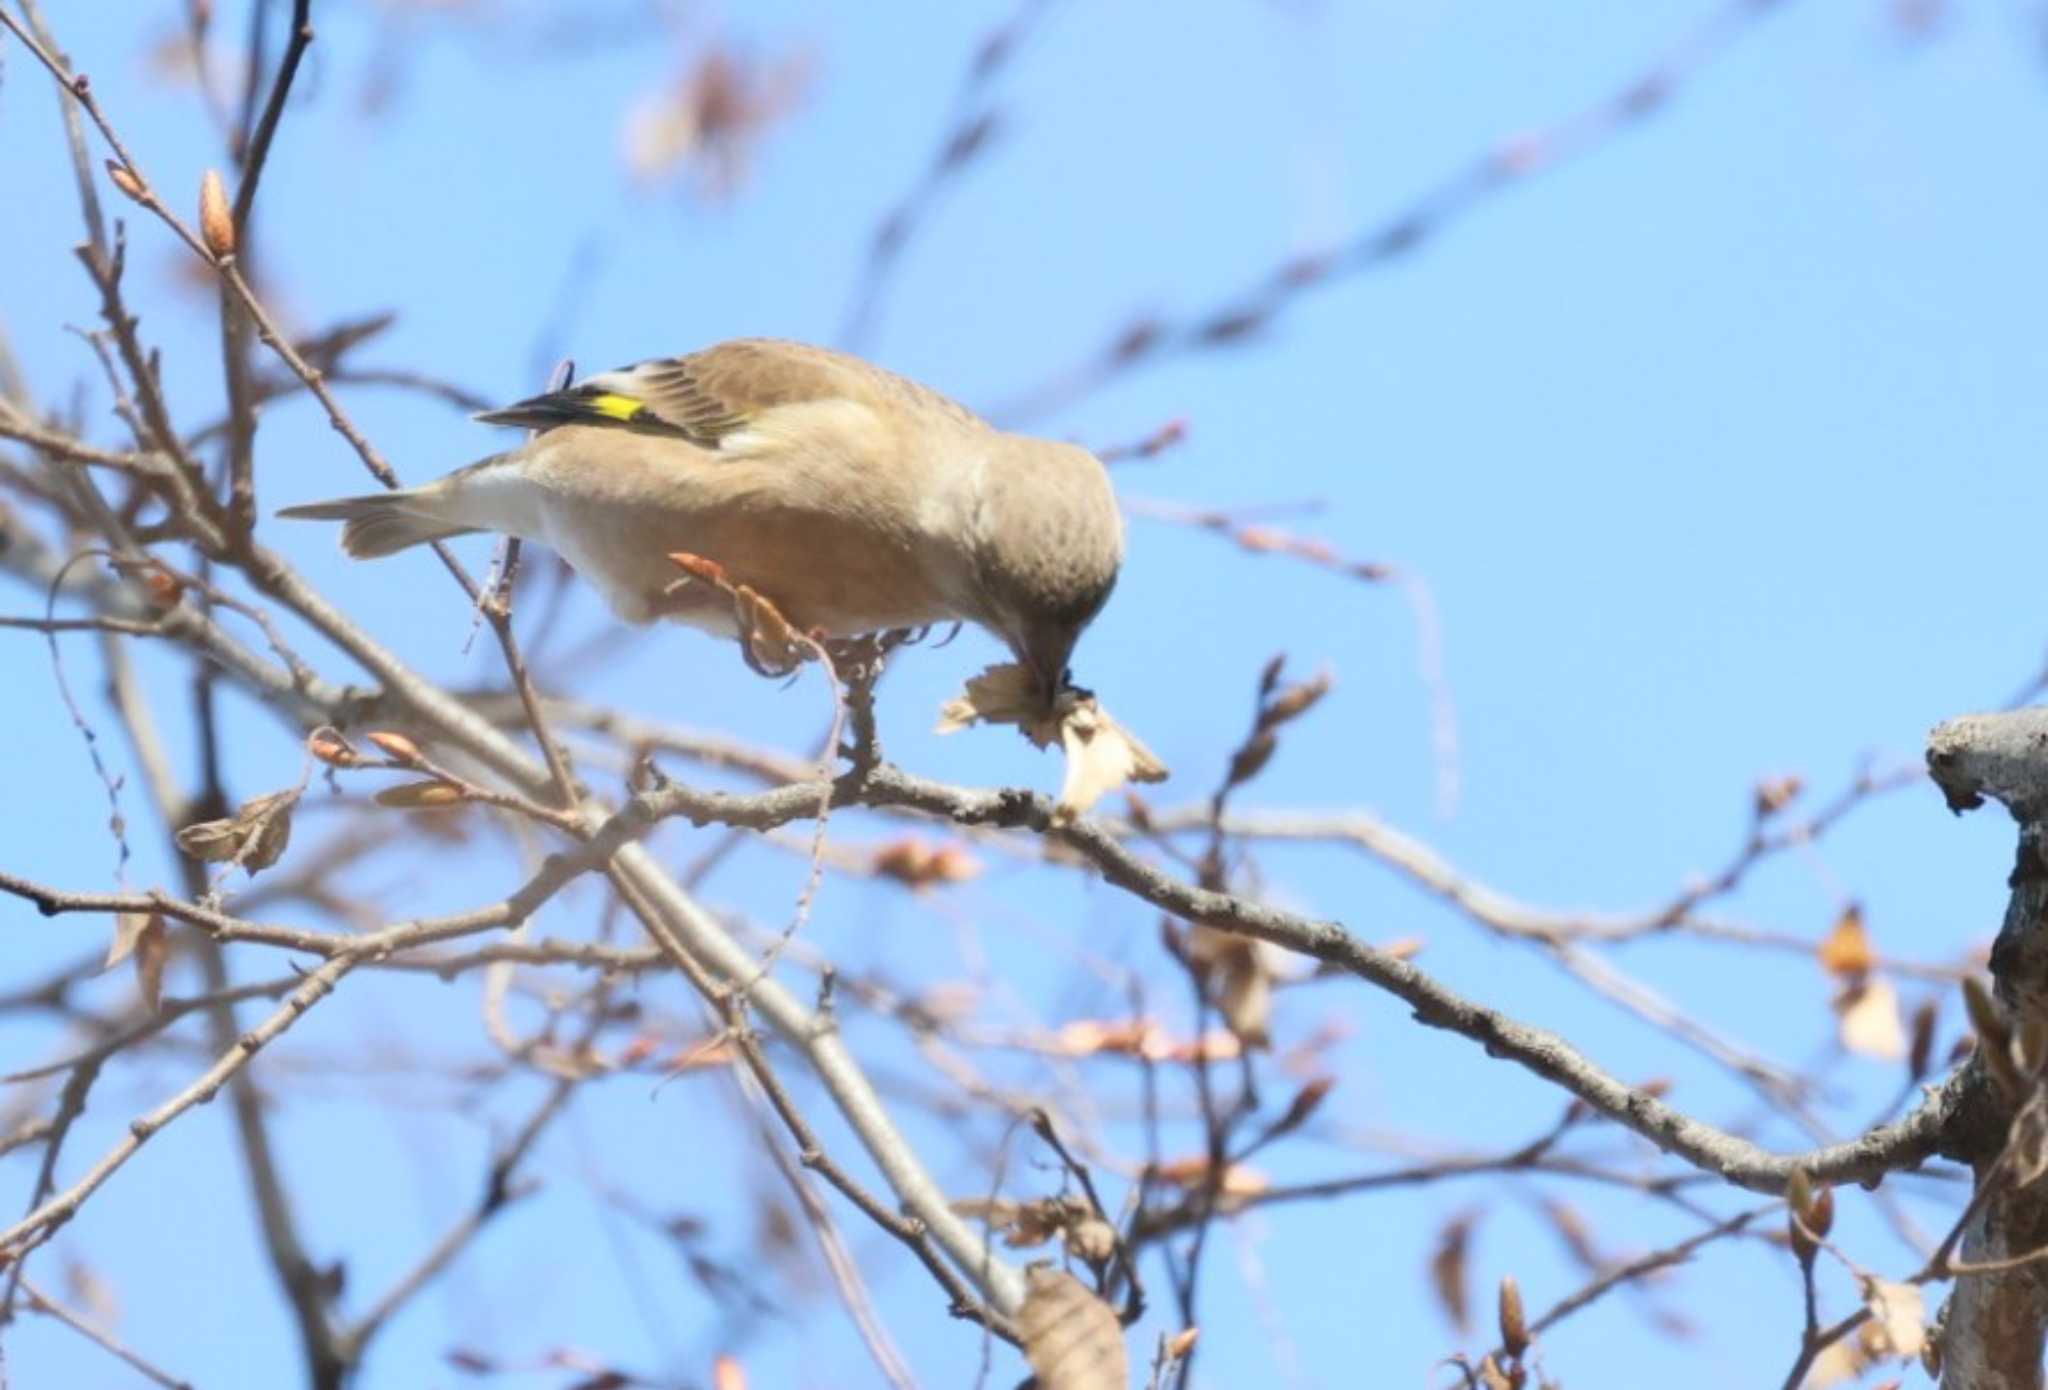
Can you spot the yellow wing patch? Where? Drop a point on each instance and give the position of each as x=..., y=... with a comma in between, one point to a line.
x=616, y=407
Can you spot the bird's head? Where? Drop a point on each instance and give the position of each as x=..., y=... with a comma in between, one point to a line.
x=1048, y=542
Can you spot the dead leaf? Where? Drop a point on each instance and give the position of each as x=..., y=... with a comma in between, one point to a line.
x=913, y=861
x=1071, y=1337
x=1240, y=976
x=1447, y=1270
x=143, y=936
x=1869, y=1020
x=254, y=837
x=1899, y=1315
x=1140, y=1037
x=1838, y=1363
x=711, y=118
x=728, y=1374
x=1239, y=1181
x=1005, y=693
x=1024, y=1224
x=1846, y=952
x=1181, y=1343
x=1102, y=755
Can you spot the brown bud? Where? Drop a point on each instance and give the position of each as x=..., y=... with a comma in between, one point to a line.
x=1922, y=1050
x=1306, y=1102
x=1820, y=1213
x=397, y=746
x=1297, y=700
x=413, y=796
x=216, y=222
x=331, y=748
x=1774, y=794
x=1181, y=1343
x=124, y=179
x=1798, y=1202
x=1514, y=1327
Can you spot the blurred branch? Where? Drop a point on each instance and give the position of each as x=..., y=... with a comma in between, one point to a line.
x=969, y=131
x=1240, y=318
x=40, y=1302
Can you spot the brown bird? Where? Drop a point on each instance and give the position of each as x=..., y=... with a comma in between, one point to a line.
x=853, y=499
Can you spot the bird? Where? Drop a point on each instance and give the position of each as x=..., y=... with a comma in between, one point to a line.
x=855, y=500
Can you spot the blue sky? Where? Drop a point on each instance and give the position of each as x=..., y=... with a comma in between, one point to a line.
x=1718, y=449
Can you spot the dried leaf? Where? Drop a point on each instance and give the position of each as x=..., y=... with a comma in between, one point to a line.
x=1091, y=1239
x=254, y=837
x=1838, y=1363
x=1005, y=693
x=728, y=1374
x=1898, y=1314
x=143, y=936
x=1240, y=972
x=1140, y=1037
x=1181, y=1343
x=1102, y=755
x=1869, y=1020
x=1577, y=1236
x=1847, y=952
x=711, y=117
x=1447, y=1270
x=411, y=796
x=213, y=841
x=1239, y=1181
x=1070, y=1336
x=913, y=861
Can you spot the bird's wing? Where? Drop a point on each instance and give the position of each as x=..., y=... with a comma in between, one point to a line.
x=710, y=395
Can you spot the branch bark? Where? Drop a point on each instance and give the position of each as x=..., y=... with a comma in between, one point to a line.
x=1996, y=1324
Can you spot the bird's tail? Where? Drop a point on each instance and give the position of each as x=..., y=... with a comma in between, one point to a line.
x=381, y=523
